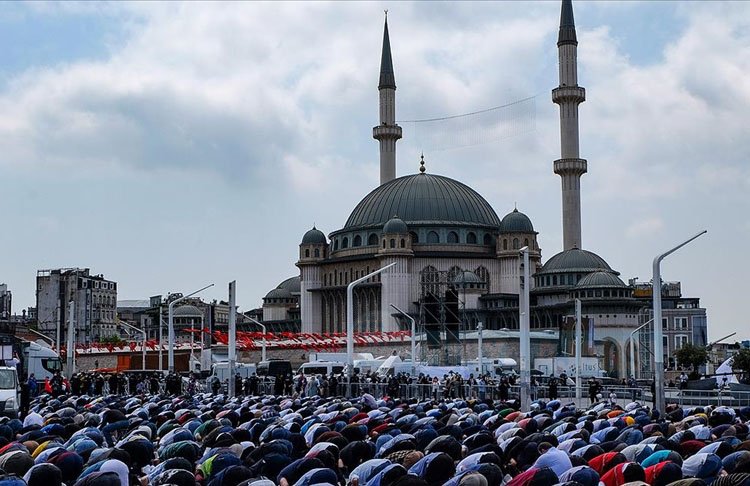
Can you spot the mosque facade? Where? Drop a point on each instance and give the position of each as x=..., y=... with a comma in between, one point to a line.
x=441, y=234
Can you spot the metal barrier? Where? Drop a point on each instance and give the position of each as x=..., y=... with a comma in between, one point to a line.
x=493, y=391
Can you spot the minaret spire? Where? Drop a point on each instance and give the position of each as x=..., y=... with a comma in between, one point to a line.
x=387, y=133
x=568, y=95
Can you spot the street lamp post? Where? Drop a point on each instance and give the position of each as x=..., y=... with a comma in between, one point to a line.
x=350, y=324
x=232, y=348
x=480, y=355
x=170, y=359
x=579, y=337
x=413, y=339
x=632, y=346
x=658, y=344
x=71, y=351
x=525, y=344
x=143, y=345
x=263, y=328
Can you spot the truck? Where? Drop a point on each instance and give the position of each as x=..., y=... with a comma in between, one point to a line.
x=494, y=367
x=567, y=365
x=28, y=357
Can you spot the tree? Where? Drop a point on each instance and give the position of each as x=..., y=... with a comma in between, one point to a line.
x=691, y=356
x=741, y=364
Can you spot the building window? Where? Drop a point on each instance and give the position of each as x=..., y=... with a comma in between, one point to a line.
x=664, y=323
x=307, y=253
x=384, y=243
x=680, y=322
x=335, y=244
x=372, y=240
x=393, y=243
x=403, y=243
x=483, y=274
x=554, y=280
x=487, y=239
x=357, y=241
x=680, y=341
x=526, y=242
x=515, y=244
x=414, y=237
x=452, y=237
x=433, y=237
x=317, y=253
x=345, y=243
x=505, y=244
x=471, y=238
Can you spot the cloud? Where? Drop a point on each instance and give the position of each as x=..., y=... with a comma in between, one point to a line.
x=644, y=226
x=264, y=111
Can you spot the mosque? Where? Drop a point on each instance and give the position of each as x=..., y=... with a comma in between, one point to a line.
x=446, y=240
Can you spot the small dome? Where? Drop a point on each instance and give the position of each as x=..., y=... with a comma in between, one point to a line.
x=314, y=237
x=516, y=222
x=279, y=293
x=395, y=225
x=600, y=279
x=576, y=261
x=292, y=284
x=187, y=311
x=467, y=277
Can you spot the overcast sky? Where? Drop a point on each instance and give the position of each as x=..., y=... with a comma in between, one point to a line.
x=172, y=145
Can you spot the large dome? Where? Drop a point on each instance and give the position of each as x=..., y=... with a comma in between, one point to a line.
x=423, y=199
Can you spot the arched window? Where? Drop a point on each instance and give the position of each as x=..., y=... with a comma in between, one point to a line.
x=335, y=244
x=526, y=242
x=403, y=243
x=317, y=253
x=307, y=253
x=453, y=273
x=433, y=237
x=483, y=274
x=515, y=244
x=471, y=238
x=414, y=237
x=393, y=243
x=505, y=243
x=383, y=243
x=345, y=243
x=487, y=239
x=372, y=240
x=452, y=237
x=357, y=241
x=554, y=280
x=429, y=278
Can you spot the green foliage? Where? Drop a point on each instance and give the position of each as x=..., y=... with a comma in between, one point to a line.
x=111, y=340
x=741, y=364
x=691, y=356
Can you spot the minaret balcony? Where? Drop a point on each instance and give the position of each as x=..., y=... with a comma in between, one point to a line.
x=571, y=166
x=566, y=94
x=386, y=132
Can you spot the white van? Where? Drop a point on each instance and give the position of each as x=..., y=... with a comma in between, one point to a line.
x=9, y=391
x=221, y=370
x=321, y=368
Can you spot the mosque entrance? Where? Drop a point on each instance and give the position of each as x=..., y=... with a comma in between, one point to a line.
x=612, y=359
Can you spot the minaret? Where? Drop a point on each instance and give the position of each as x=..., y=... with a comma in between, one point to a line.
x=387, y=132
x=570, y=167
